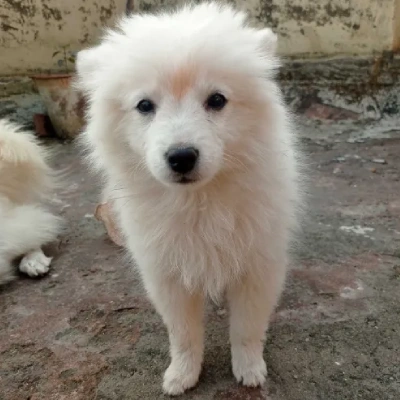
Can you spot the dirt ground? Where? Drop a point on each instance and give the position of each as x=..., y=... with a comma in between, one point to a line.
x=87, y=331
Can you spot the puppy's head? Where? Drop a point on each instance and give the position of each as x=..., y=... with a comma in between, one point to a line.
x=181, y=91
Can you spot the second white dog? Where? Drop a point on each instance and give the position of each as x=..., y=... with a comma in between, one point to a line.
x=25, y=223
x=196, y=147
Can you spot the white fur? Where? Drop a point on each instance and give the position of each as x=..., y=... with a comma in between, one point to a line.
x=229, y=232
x=25, y=224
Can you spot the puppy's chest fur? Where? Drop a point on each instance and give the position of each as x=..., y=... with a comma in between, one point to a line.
x=205, y=239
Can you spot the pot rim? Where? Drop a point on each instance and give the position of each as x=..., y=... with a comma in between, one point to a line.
x=50, y=76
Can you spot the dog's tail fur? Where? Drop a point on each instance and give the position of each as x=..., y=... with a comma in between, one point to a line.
x=25, y=181
x=25, y=174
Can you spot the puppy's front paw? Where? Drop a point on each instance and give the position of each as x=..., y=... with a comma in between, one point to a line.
x=179, y=377
x=248, y=367
x=35, y=264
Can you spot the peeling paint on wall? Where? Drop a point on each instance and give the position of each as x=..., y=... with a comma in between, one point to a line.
x=309, y=28
x=396, y=26
x=33, y=30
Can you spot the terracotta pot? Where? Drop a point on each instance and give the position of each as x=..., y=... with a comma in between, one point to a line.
x=65, y=106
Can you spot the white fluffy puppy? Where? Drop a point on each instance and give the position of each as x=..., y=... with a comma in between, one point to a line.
x=195, y=144
x=25, y=224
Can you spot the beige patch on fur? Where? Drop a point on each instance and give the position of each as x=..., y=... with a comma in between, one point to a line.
x=182, y=80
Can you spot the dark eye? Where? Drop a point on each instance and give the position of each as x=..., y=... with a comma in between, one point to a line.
x=146, y=106
x=216, y=102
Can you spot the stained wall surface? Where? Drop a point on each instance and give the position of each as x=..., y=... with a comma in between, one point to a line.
x=43, y=35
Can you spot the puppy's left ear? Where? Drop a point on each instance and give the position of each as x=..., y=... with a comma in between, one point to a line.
x=88, y=63
x=268, y=41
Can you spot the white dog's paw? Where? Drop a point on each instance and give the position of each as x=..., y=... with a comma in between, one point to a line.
x=35, y=264
x=179, y=377
x=249, y=368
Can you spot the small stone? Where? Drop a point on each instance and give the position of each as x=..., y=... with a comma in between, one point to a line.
x=322, y=111
x=221, y=312
x=355, y=140
x=373, y=170
x=337, y=170
x=379, y=161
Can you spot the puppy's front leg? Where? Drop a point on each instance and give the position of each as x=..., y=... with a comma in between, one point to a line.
x=35, y=263
x=251, y=302
x=182, y=313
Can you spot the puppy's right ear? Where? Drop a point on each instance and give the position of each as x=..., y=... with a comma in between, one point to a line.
x=268, y=41
x=88, y=64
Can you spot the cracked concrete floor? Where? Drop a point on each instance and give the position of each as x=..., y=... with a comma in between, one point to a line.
x=87, y=331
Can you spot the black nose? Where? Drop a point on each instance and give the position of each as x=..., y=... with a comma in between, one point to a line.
x=182, y=160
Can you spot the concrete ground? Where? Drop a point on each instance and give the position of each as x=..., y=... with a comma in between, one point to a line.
x=87, y=331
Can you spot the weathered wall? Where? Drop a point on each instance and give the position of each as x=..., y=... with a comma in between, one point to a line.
x=40, y=35
x=396, y=26
x=316, y=28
